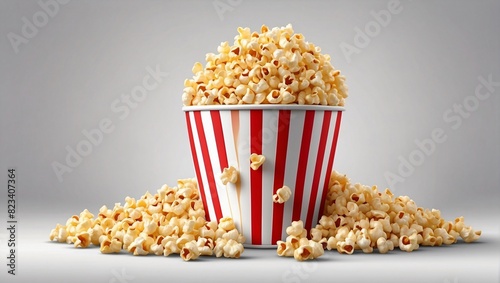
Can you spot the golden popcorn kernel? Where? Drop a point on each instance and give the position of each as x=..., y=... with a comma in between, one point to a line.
x=282, y=194
x=229, y=175
x=291, y=60
x=256, y=160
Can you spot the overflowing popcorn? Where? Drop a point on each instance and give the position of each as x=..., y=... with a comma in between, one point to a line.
x=275, y=66
x=172, y=221
x=359, y=217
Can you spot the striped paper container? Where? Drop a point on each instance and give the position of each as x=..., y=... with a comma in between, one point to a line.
x=298, y=142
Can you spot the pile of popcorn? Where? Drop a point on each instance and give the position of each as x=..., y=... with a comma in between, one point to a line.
x=275, y=66
x=359, y=217
x=172, y=221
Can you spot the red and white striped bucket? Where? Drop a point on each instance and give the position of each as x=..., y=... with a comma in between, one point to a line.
x=298, y=142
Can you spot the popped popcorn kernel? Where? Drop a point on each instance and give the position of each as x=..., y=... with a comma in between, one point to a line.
x=256, y=160
x=229, y=175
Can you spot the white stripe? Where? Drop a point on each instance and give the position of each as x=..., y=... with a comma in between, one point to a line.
x=243, y=154
x=214, y=160
x=232, y=161
x=292, y=158
x=269, y=142
x=311, y=163
x=324, y=174
x=204, y=178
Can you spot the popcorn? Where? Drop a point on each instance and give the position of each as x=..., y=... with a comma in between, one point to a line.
x=346, y=246
x=256, y=161
x=172, y=221
x=95, y=234
x=227, y=224
x=469, y=235
x=282, y=194
x=316, y=234
x=228, y=248
x=110, y=246
x=58, y=234
x=219, y=247
x=170, y=245
x=447, y=238
x=356, y=217
x=408, y=243
x=384, y=245
x=190, y=251
x=317, y=249
x=157, y=248
x=304, y=252
x=205, y=246
x=82, y=240
x=285, y=249
x=296, y=229
x=298, y=245
x=233, y=249
x=364, y=241
x=275, y=66
x=359, y=217
x=140, y=246
x=229, y=175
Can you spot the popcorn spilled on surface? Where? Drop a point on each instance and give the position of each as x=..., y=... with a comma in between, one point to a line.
x=172, y=221
x=359, y=217
x=275, y=66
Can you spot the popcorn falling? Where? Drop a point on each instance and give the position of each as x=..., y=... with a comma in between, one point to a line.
x=275, y=66
x=359, y=217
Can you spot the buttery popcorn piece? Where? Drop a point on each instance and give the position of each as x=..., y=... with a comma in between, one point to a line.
x=256, y=161
x=282, y=194
x=110, y=246
x=270, y=67
x=190, y=251
x=229, y=175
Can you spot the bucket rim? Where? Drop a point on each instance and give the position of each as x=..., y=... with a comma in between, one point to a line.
x=262, y=107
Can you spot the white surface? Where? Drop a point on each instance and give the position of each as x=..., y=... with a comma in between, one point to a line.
x=42, y=261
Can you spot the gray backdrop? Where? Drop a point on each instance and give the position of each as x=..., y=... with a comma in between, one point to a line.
x=422, y=116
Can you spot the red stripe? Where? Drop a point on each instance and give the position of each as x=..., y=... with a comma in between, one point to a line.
x=208, y=165
x=256, y=177
x=330, y=163
x=302, y=166
x=317, y=171
x=219, y=139
x=279, y=172
x=197, y=167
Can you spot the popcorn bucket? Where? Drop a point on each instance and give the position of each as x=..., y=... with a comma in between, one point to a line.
x=298, y=142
